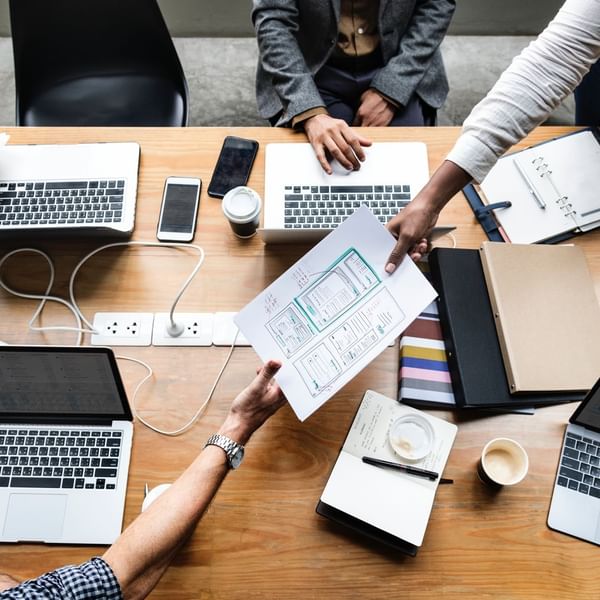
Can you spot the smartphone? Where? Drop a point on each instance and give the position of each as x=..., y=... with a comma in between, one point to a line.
x=233, y=165
x=177, y=221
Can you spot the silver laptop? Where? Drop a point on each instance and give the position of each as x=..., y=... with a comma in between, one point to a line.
x=65, y=441
x=575, y=507
x=303, y=203
x=68, y=189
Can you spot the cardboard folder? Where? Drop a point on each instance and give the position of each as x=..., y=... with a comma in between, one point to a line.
x=546, y=314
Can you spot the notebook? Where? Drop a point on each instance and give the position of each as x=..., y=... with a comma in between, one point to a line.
x=546, y=314
x=474, y=356
x=388, y=505
x=303, y=203
x=575, y=506
x=65, y=441
x=68, y=189
x=551, y=187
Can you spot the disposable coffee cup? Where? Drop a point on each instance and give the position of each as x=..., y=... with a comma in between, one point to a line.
x=503, y=462
x=241, y=205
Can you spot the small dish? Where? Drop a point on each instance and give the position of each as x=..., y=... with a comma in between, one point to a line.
x=411, y=437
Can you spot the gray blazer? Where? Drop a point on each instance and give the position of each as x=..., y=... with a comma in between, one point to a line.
x=296, y=37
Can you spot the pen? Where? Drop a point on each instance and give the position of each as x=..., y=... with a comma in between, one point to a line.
x=405, y=468
x=530, y=186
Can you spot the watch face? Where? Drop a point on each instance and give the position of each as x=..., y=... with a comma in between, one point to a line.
x=237, y=457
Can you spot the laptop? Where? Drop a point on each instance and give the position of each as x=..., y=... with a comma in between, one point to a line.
x=303, y=203
x=65, y=442
x=67, y=189
x=575, y=506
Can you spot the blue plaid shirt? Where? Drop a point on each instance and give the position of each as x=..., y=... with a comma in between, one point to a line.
x=93, y=580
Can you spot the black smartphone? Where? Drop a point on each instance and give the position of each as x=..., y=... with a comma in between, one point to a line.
x=233, y=165
x=177, y=221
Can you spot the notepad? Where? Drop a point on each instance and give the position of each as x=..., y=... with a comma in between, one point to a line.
x=391, y=502
x=552, y=188
x=546, y=314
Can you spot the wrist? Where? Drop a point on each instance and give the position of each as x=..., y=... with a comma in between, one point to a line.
x=236, y=429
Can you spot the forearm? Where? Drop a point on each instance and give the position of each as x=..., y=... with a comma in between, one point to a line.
x=535, y=83
x=447, y=180
x=143, y=552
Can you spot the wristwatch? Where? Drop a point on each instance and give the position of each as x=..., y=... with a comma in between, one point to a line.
x=233, y=450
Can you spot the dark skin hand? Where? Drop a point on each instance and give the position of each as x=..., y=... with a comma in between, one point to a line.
x=414, y=223
x=334, y=137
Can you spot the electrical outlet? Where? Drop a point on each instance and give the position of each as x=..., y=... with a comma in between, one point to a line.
x=224, y=331
x=122, y=329
x=197, y=329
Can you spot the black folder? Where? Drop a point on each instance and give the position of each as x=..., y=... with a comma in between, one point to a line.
x=474, y=356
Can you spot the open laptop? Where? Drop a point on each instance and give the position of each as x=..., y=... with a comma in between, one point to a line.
x=78, y=189
x=303, y=203
x=65, y=441
x=575, y=506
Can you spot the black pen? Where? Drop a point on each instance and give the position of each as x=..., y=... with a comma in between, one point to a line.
x=406, y=468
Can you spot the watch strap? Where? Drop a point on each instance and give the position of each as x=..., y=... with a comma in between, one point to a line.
x=227, y=444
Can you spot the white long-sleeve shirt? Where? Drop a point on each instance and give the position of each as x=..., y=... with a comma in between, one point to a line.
x=535, y=83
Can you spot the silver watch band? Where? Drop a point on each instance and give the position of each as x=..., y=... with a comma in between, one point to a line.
x=232, y=449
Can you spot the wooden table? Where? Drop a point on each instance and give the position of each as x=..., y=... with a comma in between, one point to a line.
x=261, y=537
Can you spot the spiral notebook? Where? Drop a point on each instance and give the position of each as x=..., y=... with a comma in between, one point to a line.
x=547, y=191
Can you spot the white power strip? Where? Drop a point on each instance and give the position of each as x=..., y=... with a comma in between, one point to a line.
x=144, y=329
x=122, y=329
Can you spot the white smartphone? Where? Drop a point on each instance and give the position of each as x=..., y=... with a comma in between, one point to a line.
x=177, y=221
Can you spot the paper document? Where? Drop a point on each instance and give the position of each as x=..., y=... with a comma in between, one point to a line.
x=334, y=311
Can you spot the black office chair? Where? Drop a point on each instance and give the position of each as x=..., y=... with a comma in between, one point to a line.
x=96, y=62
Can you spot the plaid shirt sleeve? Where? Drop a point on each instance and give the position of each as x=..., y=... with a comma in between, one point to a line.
x=92, y=580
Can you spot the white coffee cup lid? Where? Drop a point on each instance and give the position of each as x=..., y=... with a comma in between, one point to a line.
x=411, y=437
x=241, y=204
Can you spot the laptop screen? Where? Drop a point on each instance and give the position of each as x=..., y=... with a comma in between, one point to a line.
x=60, y=384
x=588, y=413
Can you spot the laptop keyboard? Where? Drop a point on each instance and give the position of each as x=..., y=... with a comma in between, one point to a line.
x=27, y=203
x=59, y=458
x=325, y=207
x=580, y=465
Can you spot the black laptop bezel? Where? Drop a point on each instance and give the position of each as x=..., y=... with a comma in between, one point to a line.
x=68, y=419
x=583, y=404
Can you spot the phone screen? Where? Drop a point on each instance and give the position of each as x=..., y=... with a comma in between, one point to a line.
x=179, y=209
x=233, y=166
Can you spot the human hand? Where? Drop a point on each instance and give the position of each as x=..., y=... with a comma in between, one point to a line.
x=336, y=137
x=374, y=110
x=254, y=405
x=411, y=226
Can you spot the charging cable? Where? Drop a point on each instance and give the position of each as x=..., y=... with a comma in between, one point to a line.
x=174, y=329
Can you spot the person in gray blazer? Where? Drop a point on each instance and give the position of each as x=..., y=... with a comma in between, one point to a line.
x=326, y=65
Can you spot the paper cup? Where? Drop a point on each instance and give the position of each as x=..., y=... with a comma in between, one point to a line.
x=241, y=205
x=503, y=462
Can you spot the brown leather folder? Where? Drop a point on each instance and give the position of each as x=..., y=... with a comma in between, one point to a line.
x=546, y=313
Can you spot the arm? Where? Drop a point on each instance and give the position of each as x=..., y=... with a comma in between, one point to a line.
x=277, y=23
x=399, y=79
x=142, y=553
x=534, y=84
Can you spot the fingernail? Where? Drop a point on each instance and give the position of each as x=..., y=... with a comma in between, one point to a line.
x=390, y=268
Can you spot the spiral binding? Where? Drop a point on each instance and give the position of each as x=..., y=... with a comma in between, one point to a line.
x=544, y=172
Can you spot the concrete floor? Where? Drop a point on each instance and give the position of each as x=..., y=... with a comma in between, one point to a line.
x=220, y=75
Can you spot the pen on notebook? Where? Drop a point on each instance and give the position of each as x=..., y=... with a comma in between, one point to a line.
x=530, y=186
x=400, y=467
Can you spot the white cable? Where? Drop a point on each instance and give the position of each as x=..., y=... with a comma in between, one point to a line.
x=142, y=243
x=44, y=297
x=200, y=410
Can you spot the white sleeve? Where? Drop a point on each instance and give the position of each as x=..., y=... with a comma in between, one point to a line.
x=535, y=83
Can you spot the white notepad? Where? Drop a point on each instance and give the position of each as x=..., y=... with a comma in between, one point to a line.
x=553, y=188
x=393, y=501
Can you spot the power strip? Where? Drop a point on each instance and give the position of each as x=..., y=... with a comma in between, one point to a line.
x=122, y=329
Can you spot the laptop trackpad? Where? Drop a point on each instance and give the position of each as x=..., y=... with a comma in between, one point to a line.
x=35, y=516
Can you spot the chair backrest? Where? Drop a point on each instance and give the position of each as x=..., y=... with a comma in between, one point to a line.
x=62, y=40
